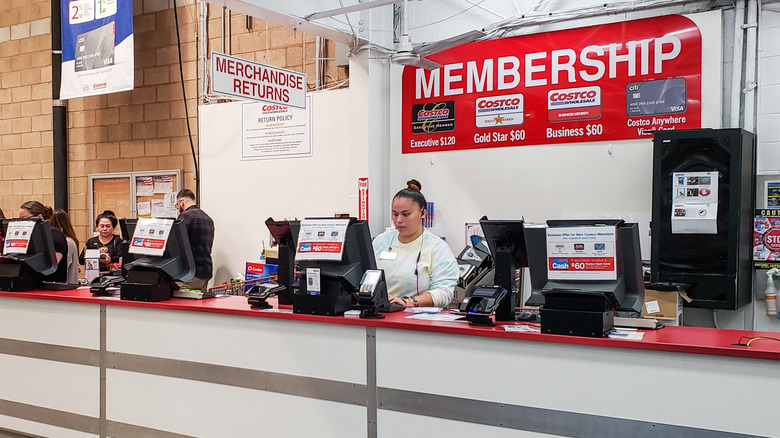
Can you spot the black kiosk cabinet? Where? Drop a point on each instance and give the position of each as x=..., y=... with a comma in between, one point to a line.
x=702, y=228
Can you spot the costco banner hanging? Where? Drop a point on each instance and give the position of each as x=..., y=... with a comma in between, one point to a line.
x=608, y=82
x=97, y=47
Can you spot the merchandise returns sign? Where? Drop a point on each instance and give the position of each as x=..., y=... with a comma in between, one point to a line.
x=250, y=80
x=609, y=82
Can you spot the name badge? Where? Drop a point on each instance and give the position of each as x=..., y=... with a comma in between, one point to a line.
x=387, y=255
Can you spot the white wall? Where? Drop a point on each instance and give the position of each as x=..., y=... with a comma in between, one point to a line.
x=241, y=195
x=768, y=135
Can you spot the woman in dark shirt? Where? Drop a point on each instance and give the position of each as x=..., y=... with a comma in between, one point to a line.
x=36, y=209
x=109, y=244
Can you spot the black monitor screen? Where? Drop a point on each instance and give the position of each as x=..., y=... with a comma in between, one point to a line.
x=506, y=234
x=127, y=228
x=626, y=292
x=340, y=277
x=27, y=270
x=176, y=261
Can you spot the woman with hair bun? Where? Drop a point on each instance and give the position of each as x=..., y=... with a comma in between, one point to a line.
x=419, y=267
x=34, y=209
x=109, y=244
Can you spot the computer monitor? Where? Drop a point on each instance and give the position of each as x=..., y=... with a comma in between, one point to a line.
x=626, y=292
x=153, y=278
x=23, y=268
x=339, y=278
x=126, y=228
x=285, y=233
x=506, y=240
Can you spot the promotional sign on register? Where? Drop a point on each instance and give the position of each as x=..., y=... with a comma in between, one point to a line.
x=608, y=82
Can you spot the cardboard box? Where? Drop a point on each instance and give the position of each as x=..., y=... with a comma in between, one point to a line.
x=665, y=306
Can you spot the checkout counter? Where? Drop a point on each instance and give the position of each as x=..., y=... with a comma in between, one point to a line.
x=74, y=365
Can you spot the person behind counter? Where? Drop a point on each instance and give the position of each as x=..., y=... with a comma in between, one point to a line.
x=420, y=269
x=200, y=231
x=61, y=221
x=109, y=244
x=33, y=209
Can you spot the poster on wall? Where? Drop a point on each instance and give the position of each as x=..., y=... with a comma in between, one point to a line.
x=275, y=131
x=607, y=82
x=97, y=47
x=766, y=238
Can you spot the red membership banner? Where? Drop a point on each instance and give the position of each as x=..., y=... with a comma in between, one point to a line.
x=608, y=82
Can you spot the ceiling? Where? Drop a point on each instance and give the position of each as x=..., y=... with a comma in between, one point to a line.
x=374, y=26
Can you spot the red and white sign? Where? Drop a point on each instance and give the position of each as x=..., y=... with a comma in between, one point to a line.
x=150, y=236
x=581, y=253
x=363, y=199
x=772, y=239
x=251, y=80
x=608, y=82
x=321, y=239
x=17, y=236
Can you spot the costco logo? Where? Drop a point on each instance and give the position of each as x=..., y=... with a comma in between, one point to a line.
x=274, y=109
x=496, y=111
x=569, y=104
x=433, y=114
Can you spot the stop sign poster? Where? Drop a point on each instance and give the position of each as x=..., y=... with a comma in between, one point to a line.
x=766, y=238
x=608, y=82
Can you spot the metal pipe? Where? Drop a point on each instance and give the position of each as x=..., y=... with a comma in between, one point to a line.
x=222, y=32
x=736, y=71
x=203, y=47
x=317, y=77
x=348, y=9
x=751, y=57
x=59, y=115
x=229, y=32
x=488, y=10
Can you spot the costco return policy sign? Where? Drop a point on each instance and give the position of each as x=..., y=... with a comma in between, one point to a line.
x=609, y=82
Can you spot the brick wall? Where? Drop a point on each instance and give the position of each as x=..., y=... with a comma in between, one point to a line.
x=140, y=130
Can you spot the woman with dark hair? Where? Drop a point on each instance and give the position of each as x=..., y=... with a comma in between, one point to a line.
x=419, y=267
x=2, y=216
x=34, y=209
x=109, y=244
x=61, y=221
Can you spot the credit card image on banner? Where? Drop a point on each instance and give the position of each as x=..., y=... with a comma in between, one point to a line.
x=95, y=49
x=572, y=104
x=660, y=96
x=433, y=117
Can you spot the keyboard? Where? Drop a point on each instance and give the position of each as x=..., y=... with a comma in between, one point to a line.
x=390, y=307
x=53, y=285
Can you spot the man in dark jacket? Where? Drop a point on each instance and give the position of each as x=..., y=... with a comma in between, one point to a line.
x=200, y=229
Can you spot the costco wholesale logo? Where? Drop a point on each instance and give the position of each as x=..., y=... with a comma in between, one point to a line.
x=274, y=109
x=494, y=111
x=99, y=86
x=433, y=117
x=569, y=104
